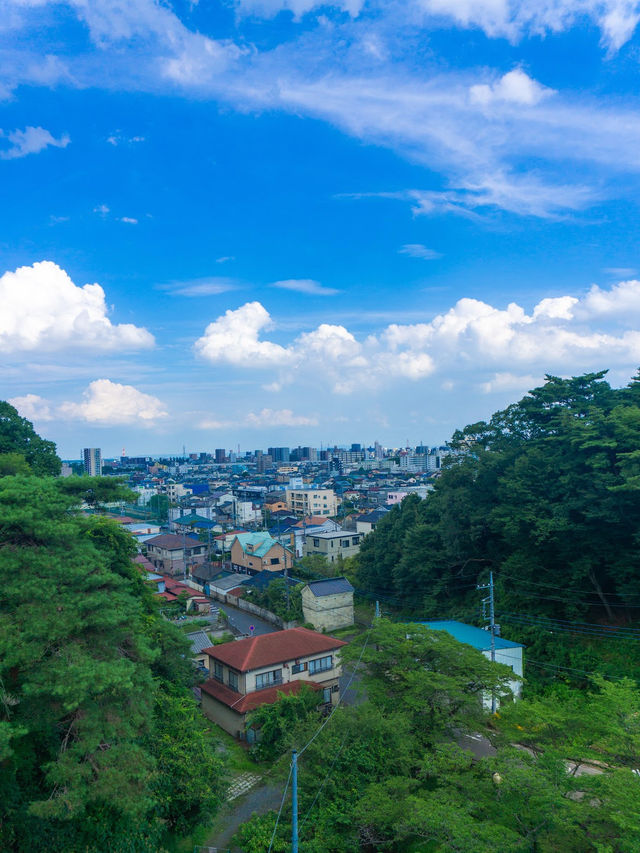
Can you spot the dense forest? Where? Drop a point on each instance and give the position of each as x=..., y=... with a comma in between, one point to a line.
x=546, y=495
x=102, y=746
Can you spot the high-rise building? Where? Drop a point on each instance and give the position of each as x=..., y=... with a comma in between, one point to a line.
x=92, y=458
x=221, y=455
x=279, y=454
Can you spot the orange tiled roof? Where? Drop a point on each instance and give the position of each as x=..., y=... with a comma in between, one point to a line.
x=278, y=647
x=250, y=701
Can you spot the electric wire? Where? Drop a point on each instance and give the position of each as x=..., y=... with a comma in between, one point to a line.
x=284, y=794
x=561, y=669
x=566, y=629
x=337, y=705
x=598, y=625
x=324, y=781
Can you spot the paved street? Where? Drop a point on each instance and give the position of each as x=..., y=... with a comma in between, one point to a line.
x=241, y=621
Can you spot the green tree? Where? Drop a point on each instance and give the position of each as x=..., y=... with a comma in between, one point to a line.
x=17, y=435
x=276, y=723
x=159, y=506
x=82, y=656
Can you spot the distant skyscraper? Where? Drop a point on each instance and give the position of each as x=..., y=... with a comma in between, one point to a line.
x=92, y=458
x=279, y=454
x=221, y=455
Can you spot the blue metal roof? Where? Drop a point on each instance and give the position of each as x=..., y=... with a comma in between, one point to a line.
x=331, y=586
x=472, y=636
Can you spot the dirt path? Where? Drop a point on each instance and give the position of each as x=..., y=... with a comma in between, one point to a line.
x=259, y=800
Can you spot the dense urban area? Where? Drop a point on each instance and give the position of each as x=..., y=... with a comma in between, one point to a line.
x=335, y=649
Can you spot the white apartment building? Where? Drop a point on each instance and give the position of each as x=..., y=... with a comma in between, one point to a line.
x=312, y=501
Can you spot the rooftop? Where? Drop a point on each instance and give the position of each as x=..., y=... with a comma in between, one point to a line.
x=256, y=543
x=250, y=701
x=472, y=636
x=199, y=641
x=266, y=649
x=173, y=542
x=330, y=586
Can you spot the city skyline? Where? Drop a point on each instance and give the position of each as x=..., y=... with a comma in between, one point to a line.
x=281, y=222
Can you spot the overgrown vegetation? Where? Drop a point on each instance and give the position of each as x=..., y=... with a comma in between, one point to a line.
x=547, y=496
x=101, y=744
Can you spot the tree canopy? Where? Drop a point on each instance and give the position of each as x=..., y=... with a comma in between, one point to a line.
x=17, y=436
x=100, y=744
x=546, y=494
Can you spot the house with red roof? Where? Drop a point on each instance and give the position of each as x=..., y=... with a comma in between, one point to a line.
x=246, y=674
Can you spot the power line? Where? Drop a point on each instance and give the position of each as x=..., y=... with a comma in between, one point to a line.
x=284, y=794
x=324, y=781
x=560, y=668
x=337, y=705
x=634, y=631
x=532, y=622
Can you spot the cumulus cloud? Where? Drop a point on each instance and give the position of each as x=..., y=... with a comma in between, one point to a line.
x=129, y=220
x=104, y=402
x=418, y=250
x=42, y=309
x=31, y=140
x=32, y=407
x=472, y=338
x=234, y=339
x=305, y=285
x=514, y=87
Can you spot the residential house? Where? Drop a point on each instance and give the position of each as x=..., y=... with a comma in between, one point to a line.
x=506, y=651
x=328, y=604
x=332, y=544
x=253, y=552
x=174, y=554
x=367, y=522
x=246, y=674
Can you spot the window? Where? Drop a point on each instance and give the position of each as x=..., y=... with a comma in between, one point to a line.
x=217, y=670
x=345, y=543
x=320, y=665
x=275, y=561
x=298, y=667
x=233, y=680
x=356, y=539
x=326, y=695
x=316, y=543
x=268, y=679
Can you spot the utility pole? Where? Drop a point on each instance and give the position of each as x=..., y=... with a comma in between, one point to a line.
x=377, y=609
x=294, y=802
x=490, y=600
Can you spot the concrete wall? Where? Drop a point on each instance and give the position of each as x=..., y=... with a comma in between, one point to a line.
x=327, y=612
x=514, y=659
x=248, y=607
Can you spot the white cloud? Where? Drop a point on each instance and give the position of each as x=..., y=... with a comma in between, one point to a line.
x=515, y=87
x=305, y=285
x=209, y=286
x=278, y=417
x=31, y=140
x=233, y=339
x=617, y=19
x=511, y=383
x=417, y=250
x=107, y=402
x=102, y=209
x=621, y=301
x=42, y=309
x=488, y=344
x=270, y=8
x=32, y=407
x=265, y=418
x=225, y=259
x=129, y=220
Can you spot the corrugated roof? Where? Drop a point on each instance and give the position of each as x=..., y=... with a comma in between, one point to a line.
x=199, y=641
x=476, y=637
x=330, y=586
x=278, y=647
x=250, y=701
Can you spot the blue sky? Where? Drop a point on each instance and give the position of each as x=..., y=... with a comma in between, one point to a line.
x=272, y=221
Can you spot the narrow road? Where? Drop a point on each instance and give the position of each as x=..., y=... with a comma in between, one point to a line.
x=241, y=621
x=257, y=801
